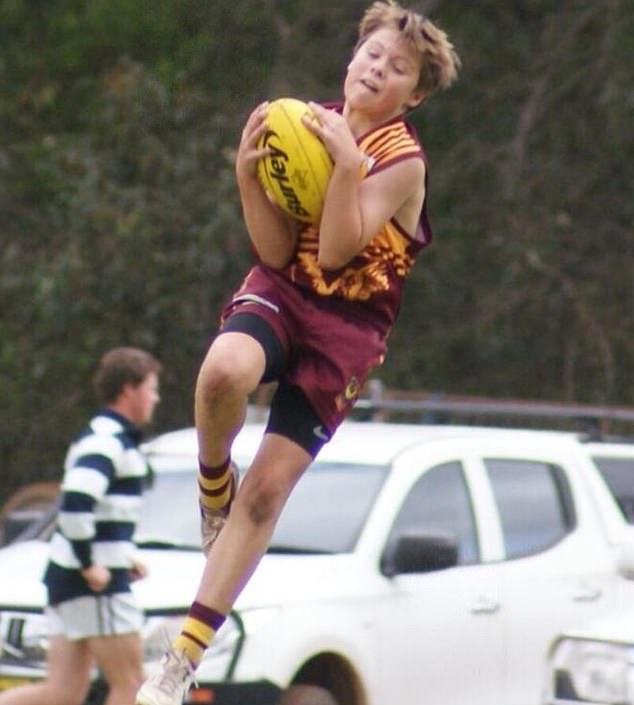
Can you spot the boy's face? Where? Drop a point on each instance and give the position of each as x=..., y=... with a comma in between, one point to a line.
x=141, y=400
x=383, y=76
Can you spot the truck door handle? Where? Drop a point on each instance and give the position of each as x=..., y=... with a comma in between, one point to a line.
x=586, y=593
x=485, y=605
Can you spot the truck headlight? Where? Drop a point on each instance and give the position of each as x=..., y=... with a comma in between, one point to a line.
x=240, y=626
x=587, y=671
x=222, y=655
x=160, y=631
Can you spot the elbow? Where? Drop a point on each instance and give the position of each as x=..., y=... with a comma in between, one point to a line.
x=331, y=262
x=332, y=258
x=277, y=263
x=337, y=250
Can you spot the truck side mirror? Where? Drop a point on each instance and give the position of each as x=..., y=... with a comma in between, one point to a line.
x=419, y=552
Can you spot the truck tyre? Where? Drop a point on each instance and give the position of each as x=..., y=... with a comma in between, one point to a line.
x=306, y=695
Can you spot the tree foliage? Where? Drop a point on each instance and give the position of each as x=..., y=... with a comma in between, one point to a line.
x=120, y=223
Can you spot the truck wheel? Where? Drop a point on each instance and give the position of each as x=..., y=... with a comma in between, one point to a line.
x=306, y=695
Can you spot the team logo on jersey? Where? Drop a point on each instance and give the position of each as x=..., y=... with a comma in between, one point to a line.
x=351, y=392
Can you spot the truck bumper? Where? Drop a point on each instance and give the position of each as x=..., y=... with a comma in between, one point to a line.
x=257, y=693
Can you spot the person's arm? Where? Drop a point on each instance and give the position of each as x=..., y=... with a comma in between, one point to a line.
x=356, y=208
x=86, y=481
x=273, y=234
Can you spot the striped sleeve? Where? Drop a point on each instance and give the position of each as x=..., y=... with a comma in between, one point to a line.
x=390, y=144
x=90, y=468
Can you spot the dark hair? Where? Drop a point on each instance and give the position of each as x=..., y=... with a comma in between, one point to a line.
x=121, y=366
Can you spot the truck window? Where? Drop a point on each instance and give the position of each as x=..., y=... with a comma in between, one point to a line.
x=618, y=474
x=534, y=502
x=439, y=502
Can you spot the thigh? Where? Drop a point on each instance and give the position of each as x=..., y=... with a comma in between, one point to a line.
x=69, y=664
x=294, y=417
x=235, y=356
x=119, y=657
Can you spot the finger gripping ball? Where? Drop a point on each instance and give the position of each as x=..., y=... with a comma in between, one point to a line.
x=298, y=168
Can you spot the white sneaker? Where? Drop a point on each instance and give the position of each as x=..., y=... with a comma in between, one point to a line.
x=212, y=520
x=169, y=685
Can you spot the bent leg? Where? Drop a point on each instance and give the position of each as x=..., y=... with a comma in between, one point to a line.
x=68, y=679
x=231, y=371
x=276, y=468
x=120, y=659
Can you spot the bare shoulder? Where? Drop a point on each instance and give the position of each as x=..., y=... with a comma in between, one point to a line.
x=410, y=174
x=397, y=191
x=414, y=168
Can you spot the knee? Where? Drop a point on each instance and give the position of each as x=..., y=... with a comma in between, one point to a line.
x=262, y=496
x=66, y=691
x=123, y=693
x=67, y=696
x=124, y=688
x=226, y=370
x=218, y=378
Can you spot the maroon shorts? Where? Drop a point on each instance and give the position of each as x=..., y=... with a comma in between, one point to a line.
x=330, y=353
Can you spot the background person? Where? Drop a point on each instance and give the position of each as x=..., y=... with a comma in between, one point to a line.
x=313, y=314
x=92, y=614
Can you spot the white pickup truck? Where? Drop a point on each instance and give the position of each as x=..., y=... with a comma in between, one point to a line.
x=592, y=663
x=413, y=564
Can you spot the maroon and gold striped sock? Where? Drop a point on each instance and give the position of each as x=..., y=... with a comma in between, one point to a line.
x=215, y=485
x=199, y=628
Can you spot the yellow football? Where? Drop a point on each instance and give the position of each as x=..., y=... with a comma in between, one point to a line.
x=298, y=168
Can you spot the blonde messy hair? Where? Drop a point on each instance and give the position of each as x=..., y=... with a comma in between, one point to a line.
x=439, y=60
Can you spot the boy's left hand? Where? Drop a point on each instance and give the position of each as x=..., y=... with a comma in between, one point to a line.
x=138, y=570
x=333, y=130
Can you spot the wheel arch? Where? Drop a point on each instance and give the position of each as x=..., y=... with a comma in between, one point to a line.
x=336, y=674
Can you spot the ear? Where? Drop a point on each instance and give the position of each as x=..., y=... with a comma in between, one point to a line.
x=126, y=390
x=415, y=99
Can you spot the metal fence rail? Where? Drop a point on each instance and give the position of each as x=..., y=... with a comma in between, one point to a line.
x=384, y=404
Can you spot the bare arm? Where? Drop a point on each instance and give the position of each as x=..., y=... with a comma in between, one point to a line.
x=355, y=208
x=272, y=233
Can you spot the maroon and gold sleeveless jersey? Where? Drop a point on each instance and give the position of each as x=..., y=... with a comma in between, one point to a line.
x=372, y=282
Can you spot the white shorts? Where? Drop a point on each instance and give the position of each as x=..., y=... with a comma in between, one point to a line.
x=103, y=615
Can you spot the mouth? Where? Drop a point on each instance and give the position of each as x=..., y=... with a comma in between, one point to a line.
x=369, y=85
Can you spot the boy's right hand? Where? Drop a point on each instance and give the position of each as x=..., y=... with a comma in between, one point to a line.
x=97, y=577
x=248, y=151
